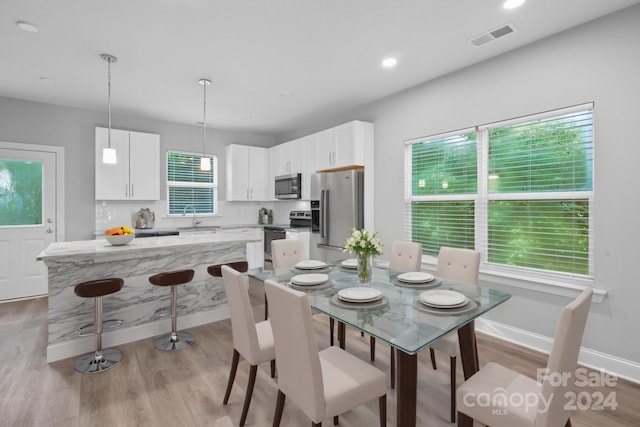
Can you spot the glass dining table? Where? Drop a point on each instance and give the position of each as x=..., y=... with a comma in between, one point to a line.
x=399, y=318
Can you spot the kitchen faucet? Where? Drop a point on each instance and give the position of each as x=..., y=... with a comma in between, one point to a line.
x=193, y=208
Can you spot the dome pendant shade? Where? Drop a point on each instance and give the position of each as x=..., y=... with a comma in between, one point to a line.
x=205, y=164
x=109, y=156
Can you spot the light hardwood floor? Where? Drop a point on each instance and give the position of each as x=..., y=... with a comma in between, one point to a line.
x=186, y=387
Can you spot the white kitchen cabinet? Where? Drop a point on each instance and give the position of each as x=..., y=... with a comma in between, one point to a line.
x=136, y=175
x=304, y=235
x=246, y=174
x=287, y=159
x=343, y=145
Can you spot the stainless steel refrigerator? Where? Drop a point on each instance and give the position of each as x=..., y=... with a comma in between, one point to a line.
x=341, y=197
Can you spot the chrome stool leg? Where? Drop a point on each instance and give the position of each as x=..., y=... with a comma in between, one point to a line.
x=173, y=340
x=101, y=360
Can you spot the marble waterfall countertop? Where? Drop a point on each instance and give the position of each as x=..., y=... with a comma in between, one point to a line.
x=101, y=249
x=142, y=307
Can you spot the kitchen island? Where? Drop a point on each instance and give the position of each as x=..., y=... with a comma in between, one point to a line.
x=143, y=309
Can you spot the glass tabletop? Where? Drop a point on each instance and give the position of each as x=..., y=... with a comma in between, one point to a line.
x=399, y=318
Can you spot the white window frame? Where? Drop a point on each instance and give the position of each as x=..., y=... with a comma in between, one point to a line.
x=511, y=275
x=182, y=184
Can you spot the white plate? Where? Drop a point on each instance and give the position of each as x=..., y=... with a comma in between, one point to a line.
x=309, y=279
x=416, y=277
x=359, y=294
x=311, y=265
x=350, y=263
x=441, y=298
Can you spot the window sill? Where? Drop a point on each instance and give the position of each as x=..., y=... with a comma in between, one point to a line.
x=538, y=284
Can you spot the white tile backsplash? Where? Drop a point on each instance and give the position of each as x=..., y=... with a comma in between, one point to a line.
x=113, y=213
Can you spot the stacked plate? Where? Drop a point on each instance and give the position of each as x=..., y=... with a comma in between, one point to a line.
x=311, y=265
x=442, y=298
x=416, y=277
x=359, y=294
x=351, y=264
x=311, y=279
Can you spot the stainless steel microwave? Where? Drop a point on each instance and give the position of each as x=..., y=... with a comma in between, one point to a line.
x=288, y=186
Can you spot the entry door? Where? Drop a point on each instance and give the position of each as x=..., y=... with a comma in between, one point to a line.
x=27, y=220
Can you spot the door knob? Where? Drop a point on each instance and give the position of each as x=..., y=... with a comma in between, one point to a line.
x=49, y=230
x=49, y=220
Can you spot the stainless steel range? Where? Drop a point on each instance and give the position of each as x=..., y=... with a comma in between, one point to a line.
x=297, y=219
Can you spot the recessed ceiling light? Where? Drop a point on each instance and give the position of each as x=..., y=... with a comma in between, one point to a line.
x=512, y=4
x=26, y=26
x=389, y=62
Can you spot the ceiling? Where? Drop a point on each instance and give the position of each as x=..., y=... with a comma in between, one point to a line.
x=275, y=64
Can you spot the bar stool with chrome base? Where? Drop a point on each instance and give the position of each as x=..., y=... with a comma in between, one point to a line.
x=101, y=359
x=173, y=340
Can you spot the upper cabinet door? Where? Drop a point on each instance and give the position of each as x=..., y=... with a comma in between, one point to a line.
x=325, y=149
x=258, y=173
x=344, y=145
x=136, y=175
x=237, y=174
x=246, y=175
x=144, y=166
x=112, y=181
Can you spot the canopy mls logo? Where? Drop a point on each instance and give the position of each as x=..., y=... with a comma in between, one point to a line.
x=502, y=400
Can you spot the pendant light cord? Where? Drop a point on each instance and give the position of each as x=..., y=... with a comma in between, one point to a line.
x=204, y=121
x=109, y=98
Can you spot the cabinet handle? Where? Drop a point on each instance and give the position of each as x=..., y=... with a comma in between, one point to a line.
x=132, y=190
x=252, y=193
x=247, y=193
x=126, y=190
x=330, y=159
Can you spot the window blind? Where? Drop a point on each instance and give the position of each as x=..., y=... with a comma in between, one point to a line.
x=539, y=193
x=442, y=186
x=188, y=187
x=518, y=191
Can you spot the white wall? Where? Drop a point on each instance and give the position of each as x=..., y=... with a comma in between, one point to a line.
x=74, y=129
x=598, y=62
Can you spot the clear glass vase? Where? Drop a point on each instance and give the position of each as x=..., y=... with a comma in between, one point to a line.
x=365, y=262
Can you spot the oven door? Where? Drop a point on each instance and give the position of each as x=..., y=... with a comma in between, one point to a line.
x=271, y=233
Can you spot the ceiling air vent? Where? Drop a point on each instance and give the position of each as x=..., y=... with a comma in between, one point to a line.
x=492, y=35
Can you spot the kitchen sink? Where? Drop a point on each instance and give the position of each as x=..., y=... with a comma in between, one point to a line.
x=200, y=228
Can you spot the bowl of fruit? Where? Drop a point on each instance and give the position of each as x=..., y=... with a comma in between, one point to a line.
x=120, y=236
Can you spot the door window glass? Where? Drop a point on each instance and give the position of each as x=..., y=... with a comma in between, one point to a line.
x=20, y=193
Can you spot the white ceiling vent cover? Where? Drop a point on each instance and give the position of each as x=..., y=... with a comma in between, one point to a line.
x=492, y=35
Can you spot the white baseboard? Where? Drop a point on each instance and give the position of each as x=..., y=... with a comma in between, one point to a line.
x=594, y=359
x=122, y=336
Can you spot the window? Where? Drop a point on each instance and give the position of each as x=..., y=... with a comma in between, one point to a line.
x=190, y=188
x=520, y=192
x=20, y=192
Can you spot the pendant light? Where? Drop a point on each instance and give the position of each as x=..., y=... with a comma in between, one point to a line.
x=205, y=162
x=109, y=154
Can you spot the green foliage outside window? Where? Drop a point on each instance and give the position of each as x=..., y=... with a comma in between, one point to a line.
x=20, y=192
x=553, y=155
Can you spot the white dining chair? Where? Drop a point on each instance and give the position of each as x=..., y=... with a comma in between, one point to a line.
x=463, y=266
x=493, y=395
x=287, y=253
x=323, y=384
x=404, y=256
x=253, y=341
